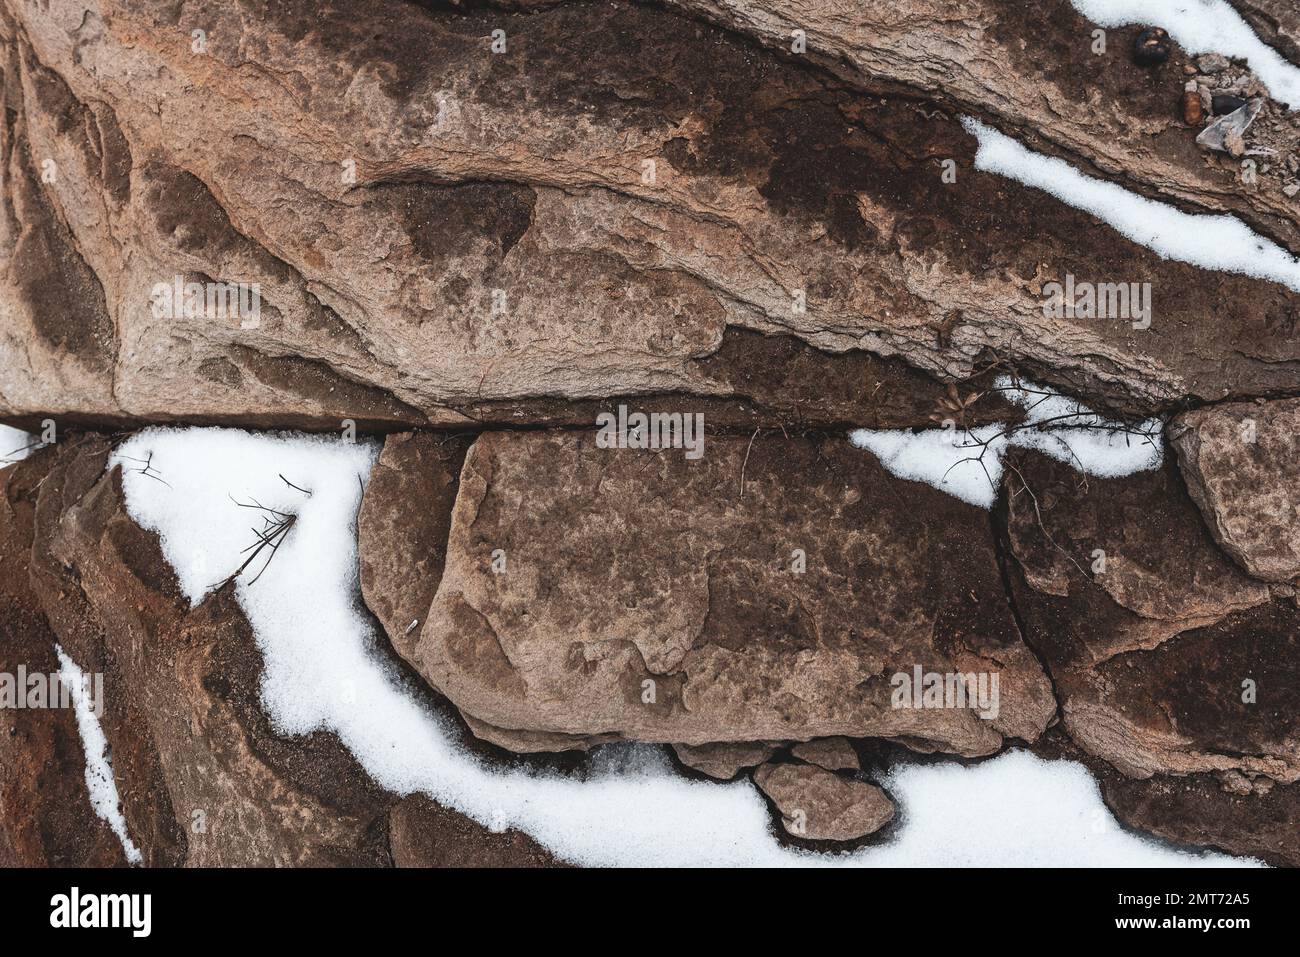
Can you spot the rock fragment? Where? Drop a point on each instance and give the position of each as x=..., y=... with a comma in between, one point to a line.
x=818, y=805
x=724, y=760
x=833, y=754
x=1239, y=461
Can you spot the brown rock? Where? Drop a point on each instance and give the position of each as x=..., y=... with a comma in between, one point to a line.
x=1153, y=656
x=597, y=591
x=402, y=527
x=46, y=819
x=833, y=754
x=817, y=805
x=726, y=759
x=429, y=239
x=1239, y=461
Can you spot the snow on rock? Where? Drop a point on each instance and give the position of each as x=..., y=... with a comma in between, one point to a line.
x=1203, y=26
x=968, y=463
x=99, y=768
x=1209, y=241
x=322, y=671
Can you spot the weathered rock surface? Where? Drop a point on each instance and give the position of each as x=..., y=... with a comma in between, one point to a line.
x=1166, y=659
x=203, y=777
x=725, y=759
x=46, y=818
x=1032, y=68
x=598, y=591
x=818, y=805
x=402, y=528
x=325, y=154
x=833, y=754
x=1239, y=461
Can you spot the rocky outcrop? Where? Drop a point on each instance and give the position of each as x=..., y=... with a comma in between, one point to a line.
x=642, y=594
x=1239, y=461
x=46, y=818
x=204, y=778
x=603, y=243
x=817, y=805
x=1170, y=664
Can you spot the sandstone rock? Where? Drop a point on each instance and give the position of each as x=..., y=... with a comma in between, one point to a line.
x=432, y=226
x=402, y=528
x=593, y=591
x=817, y=805
x=1201, y=810
x=833, y=754
x=46, y=818
x=1152, y=657
x=990, y=59
x=724, y=760
x=203, y=778
x=1239, y=460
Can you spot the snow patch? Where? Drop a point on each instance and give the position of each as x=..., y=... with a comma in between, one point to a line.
x=323, y=671
x=1203, y=26
x=99, y=768
x=14, y=444
x=967, y=463
x=1218, y=242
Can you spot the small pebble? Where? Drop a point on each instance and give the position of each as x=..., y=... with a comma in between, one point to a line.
x=1291, y=189
x=1193, y=110
x=1212, y=62
x=1221, y=104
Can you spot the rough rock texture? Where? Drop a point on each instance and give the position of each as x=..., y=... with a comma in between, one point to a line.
x=1252, y=819
x=599, y=591
x=45, y=814
x=818, y=805
x=1031, y=67
x=1168, y=661
x=1239, y=460
x=424, y=834
x=726, y=759
x=833, y=754
x=324, y=152
x=402, y=528
x=203, y=777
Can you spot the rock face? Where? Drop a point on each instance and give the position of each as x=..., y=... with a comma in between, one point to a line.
x=45, y=814
x=646, y=595
x=475, y=228
x=1171, y=665
x=432, y=226
x=1239, y=461
x=817, y=805
x=203, y=777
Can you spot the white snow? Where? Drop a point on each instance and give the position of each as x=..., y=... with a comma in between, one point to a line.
x=1209, y=241
x=13, y=444
x=99, y=768
x=968, y=463
x=323, y=671
x=1203, y=26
